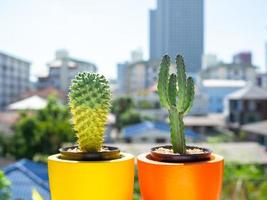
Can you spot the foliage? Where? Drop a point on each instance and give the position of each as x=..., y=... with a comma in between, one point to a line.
x=36, y=195
x=245, y=182
x=130, y=117
x=145, y=104
x=3, y=145
x=4, y=187
x=122, y=104
x=168, y=93
x=42, y=132
x=220, y=138
x=136, y=195
x=89, y=105
x=123, y=108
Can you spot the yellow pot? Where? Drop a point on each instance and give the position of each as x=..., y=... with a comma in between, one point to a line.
x=91, y=180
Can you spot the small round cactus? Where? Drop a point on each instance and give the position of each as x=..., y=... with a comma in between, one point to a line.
x=89, y=102
x=176, y=93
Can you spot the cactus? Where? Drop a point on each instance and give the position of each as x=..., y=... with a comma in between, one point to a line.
x=176, y=93
x=89, y=102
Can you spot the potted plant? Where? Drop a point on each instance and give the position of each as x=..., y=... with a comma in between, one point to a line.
x=90, y=170
x=178, y=171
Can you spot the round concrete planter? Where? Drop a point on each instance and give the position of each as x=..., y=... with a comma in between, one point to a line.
x=188, y=181
x=96, y=180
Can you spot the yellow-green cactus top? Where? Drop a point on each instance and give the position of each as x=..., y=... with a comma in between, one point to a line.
x=89, y=102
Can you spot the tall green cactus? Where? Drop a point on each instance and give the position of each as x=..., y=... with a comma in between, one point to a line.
x=176, y=93
x=89, y=102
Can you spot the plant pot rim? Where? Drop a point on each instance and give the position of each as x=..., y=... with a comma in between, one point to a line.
x=180, y=158
x=110, y=154
x=123, y=157
x=144, y=157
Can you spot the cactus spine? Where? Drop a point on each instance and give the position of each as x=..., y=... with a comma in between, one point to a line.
x=176, y=93
x=89, y=102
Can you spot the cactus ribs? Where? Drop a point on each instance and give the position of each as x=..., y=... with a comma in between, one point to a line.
x=176, y=93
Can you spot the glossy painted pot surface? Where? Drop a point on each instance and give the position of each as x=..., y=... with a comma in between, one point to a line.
x=186, y=181
x=96, y=180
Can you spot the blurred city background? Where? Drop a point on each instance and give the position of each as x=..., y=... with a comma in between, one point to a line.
x=44, y=44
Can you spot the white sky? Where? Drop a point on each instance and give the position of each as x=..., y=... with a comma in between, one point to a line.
x=105, y=31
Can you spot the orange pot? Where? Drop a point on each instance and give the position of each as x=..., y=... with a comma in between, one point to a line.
x=180, y=181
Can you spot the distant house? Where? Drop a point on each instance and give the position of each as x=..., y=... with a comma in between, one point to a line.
x=246, y=106
x=262, y=80
x=217, y=90
x=256, y=132
x=232, y=71
x=45, y=93
x=206, y=124
x=30, y=103
x=153, y=132
x=26, y=175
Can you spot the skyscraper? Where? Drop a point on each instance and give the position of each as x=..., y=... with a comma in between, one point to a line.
x=266, y=57
x=177, y=26
x=14, y=78
x=62, y=70
x=243, y=58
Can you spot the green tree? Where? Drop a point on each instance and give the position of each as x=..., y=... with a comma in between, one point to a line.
x=123, y=108
x=42, y=132
x=4, y=187
x=244, y=182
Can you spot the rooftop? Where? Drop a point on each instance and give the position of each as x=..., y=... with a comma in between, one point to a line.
x=223, y=83
x=212, y=119
x=256, y=128
x=15, y=57
x=249, y=92
x=141, y=128
x=45, y=93
x=26, y=175
x=71, y=63
x=32, y=103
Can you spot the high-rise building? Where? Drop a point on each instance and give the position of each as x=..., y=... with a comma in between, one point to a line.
x=243, y=58
x=137, y=55
x=231, y=71
x=209, y=60
x=177, y=27
x=266, y=57
x=62, y=70
x=14, y=78
x=136, y=78
x=122, y=77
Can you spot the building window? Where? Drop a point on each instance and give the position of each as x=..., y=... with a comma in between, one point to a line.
x=239, y=105
x=232, y=117
x=259, y=106
x=161, y=140
x=233, y=105
x=251, y=106
x=128, y=140
x=251, y=119
x=143, y=139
